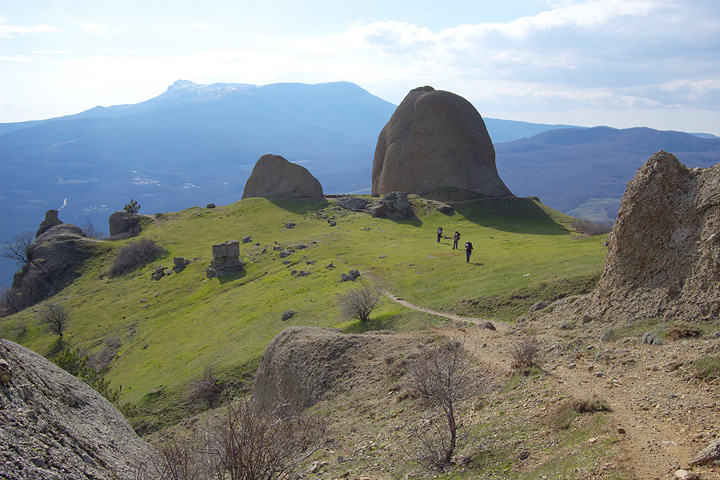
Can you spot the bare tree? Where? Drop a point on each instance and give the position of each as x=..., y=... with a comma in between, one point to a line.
x=359, y=302
x=17, y=248
x=441, y=375
x=56, y=316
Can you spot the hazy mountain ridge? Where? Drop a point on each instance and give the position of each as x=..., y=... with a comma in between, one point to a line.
x=568, y=167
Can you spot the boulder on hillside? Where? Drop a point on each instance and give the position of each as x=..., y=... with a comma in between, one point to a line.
x=435, y=139
x=356, y=204
x=53, y=426
x=663, y=258
x=51, y=220
x=122, y=224
x=53, y=258
x=304, y=365
x=274, y=176
x=393, y=205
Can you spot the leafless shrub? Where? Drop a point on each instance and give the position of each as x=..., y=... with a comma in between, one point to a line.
x=359, y=302
x=17, y=248
x=56, y=316
x=527, y=353
x=91, y=231
x=207, y=389
x=441, y=376
x=592, y=228
x=135, y=254
x=11, y=301
x=248, y=442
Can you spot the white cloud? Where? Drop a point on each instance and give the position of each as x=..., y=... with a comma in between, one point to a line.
x=199, y=25
x=95, y=28
x=13, y=30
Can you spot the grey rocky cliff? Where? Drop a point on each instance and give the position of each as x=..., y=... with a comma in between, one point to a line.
x=435, y=139
x=53, y=257
x=54, y=426
x=274, y=176
x=51, y=220
x=663, y=258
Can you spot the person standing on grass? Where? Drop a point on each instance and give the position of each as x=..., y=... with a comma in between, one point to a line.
x=456, y=239
x=439, y=232
x=468, y=251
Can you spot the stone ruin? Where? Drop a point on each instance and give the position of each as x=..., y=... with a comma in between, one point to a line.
x=435, y=139
x=663, y=259
x=226, y=259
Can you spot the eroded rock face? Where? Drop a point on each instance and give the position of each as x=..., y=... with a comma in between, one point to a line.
x=54, y=426
x=663, y=258
x=435, y=139
x=274, y=176
x=54, y=258
x=304, y=365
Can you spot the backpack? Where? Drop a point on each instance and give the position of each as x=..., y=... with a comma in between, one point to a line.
x=468, y=246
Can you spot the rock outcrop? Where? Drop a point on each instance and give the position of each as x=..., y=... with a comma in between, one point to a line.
x=54, y=426
x=663, y=259
x=53, y=257
x=51, y=220
x=274, y=176
x=123, y=224
x=304, y=365
x=435, y=139
x=393, y=205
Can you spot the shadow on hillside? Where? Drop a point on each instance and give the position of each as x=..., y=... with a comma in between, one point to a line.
x=515, y=215
x=413, y=221
x=299, y=206
x=232, y=277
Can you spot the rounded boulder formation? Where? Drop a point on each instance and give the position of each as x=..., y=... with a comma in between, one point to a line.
x=435, y=139
x=274, y=176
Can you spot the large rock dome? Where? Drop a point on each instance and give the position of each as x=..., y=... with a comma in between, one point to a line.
x=274, y=176
x=435, y=139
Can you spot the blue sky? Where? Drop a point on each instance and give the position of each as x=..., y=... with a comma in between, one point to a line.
x=620, y=63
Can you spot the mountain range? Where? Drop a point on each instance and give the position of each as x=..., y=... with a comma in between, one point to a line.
x=197, y=144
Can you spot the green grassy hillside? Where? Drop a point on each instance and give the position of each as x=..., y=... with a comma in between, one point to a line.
x=171, y=330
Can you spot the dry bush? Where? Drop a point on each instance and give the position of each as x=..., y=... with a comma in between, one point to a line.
x=441, y=375
x=247, y=442
x=679, y=330
x=91, y=231
x=135, y=254
x=591, y=228
x=562, y=417
x=526, y=353
x=360, y=302
x=208, y=389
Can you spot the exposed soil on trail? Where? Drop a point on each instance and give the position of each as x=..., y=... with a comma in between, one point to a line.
x=661, y=415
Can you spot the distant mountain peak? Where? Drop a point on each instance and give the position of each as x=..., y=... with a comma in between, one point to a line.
x=205, y=91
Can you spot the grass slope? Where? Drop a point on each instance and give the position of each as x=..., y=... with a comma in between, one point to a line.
x=172, y=329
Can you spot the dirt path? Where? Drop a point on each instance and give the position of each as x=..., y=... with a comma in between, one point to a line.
x=451, y=316
x=660, y=414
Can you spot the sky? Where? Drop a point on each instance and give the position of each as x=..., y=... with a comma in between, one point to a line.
x=621, y=63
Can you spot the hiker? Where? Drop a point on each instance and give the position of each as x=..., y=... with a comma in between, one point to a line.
x=439, y=234
x=456, y=239
x=468, y=251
